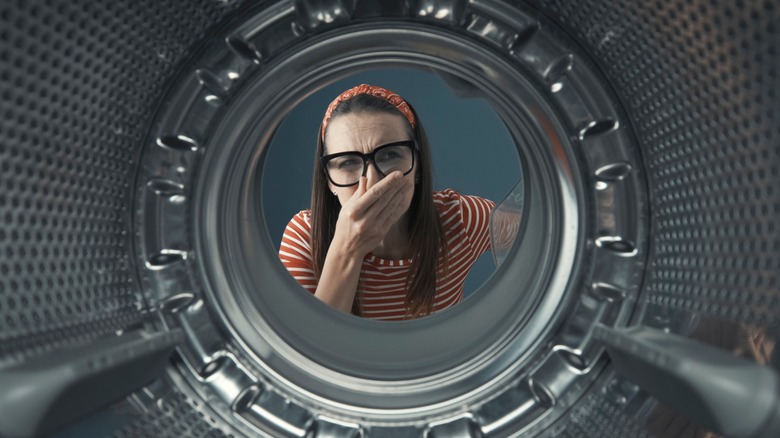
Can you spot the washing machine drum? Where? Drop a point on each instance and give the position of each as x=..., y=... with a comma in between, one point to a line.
x=141, y=291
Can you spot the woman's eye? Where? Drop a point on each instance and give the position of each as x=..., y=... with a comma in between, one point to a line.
x=389, y=155
x=348, y=163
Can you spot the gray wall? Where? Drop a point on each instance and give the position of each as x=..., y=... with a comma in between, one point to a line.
x=472, y=150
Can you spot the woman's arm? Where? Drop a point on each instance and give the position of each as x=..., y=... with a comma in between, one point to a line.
x=363, y=223
x=340, y=273
x=339, y=279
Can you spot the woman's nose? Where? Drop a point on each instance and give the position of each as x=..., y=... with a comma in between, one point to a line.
x=372, y=175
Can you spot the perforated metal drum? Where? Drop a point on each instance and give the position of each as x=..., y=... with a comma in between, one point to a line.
x=135, y=256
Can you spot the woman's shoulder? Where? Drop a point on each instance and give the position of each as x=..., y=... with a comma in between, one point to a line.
x=452, y=204
x=446, y=197
x=302, y=219
x=449, y=197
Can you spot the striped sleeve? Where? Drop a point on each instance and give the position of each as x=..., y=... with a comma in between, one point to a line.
x=475, y=213
x=295, y=250
x=506, y=225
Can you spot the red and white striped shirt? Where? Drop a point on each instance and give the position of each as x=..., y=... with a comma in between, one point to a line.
x=382, y=284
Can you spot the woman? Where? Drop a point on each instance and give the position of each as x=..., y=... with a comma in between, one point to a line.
x=378, y=241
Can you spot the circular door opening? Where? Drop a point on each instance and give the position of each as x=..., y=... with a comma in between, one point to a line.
x=472, y=152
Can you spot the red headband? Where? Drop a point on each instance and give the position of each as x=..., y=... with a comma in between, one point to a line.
x=383, y=93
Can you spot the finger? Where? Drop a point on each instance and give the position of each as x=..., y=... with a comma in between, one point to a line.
x=394, y=209
x=354, y=200
x=375, y=197
x=352, y=207
x=361, y=189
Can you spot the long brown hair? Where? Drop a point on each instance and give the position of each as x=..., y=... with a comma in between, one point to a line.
x=426, y=233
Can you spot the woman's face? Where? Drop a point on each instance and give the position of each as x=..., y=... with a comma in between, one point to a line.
x=364, y=132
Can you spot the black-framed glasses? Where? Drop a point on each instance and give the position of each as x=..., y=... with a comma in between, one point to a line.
x=344, y=169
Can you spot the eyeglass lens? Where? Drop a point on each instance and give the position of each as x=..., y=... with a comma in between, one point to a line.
x=347, y=169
